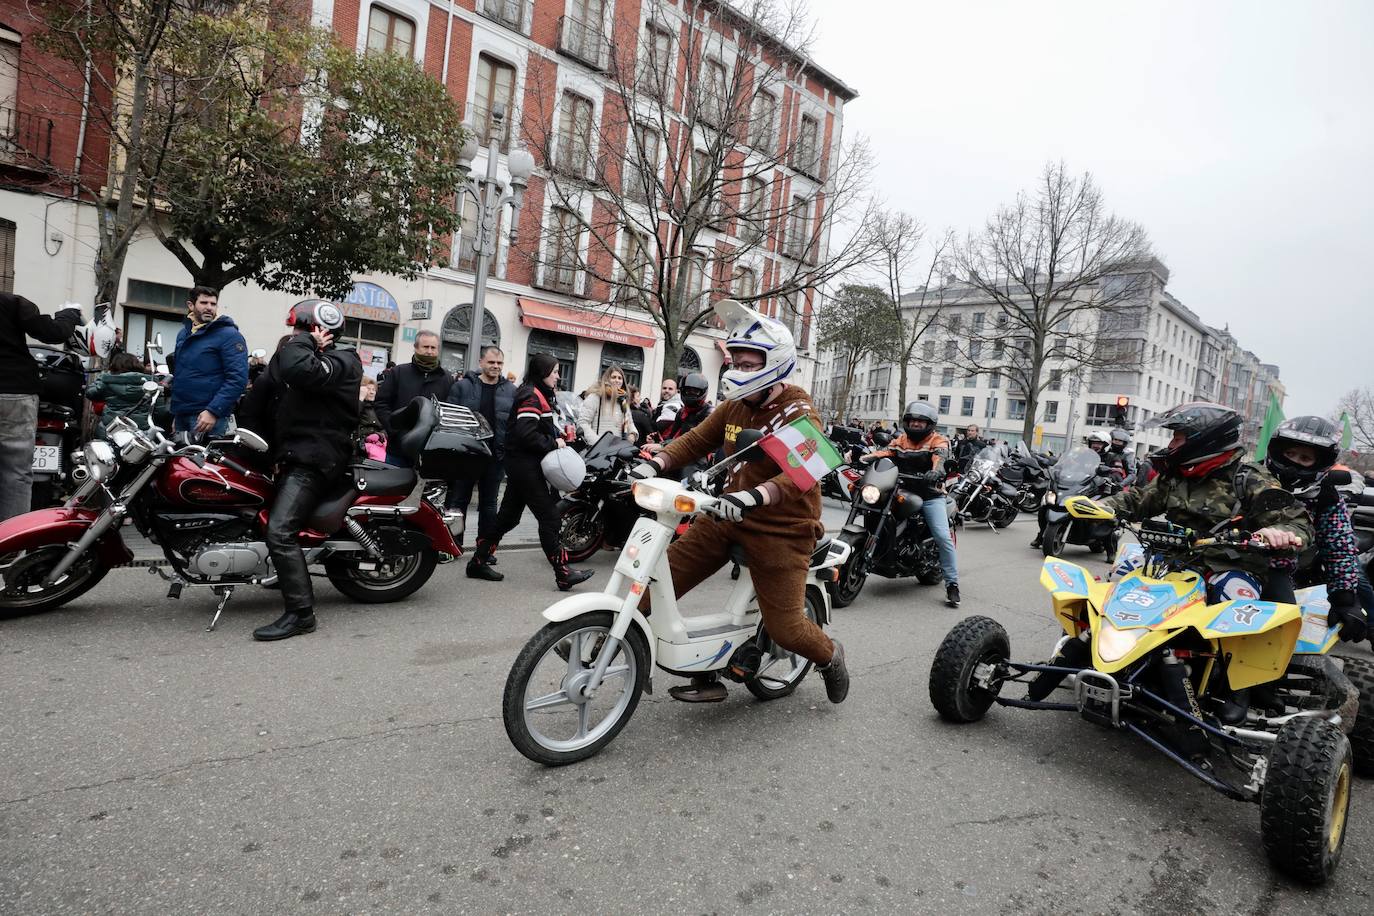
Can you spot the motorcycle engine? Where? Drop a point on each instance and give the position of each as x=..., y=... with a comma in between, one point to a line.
x=229, y=560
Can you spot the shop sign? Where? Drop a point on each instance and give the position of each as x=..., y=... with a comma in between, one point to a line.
x=369, y=302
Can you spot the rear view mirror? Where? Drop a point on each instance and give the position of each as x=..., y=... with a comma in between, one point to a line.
x=250, y=440
x=747, y=439
x=150, y=387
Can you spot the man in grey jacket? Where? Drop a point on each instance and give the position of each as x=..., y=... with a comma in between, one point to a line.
x=492, y=395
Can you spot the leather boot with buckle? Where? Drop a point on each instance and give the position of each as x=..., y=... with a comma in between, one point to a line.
x=565, y=575
x=479, y=567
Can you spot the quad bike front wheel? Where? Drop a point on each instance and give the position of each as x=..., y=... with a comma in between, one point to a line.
x=974, y=641
x=1305, y=804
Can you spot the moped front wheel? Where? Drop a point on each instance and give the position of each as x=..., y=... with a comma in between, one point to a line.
x=780, y=671
x=549, y=716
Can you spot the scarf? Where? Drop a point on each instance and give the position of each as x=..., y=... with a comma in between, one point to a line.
x=1204, y=468
x=425, y=363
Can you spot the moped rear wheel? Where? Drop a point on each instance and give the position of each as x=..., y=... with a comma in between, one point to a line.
x=780, y=671
x=548, y=717
x=21, y=579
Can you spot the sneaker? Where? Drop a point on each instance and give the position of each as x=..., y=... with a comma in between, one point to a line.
x=952, y=594
x=836, y=675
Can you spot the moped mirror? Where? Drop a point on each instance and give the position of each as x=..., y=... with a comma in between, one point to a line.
x=747, y=439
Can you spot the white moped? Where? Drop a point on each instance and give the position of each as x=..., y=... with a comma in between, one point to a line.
x=576, y=683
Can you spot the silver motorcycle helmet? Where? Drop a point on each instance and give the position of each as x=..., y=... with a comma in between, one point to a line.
x=564, y=469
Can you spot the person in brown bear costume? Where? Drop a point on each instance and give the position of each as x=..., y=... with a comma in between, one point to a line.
x=762, y=510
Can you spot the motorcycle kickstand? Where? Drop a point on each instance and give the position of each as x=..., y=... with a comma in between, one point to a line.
x=225, y=592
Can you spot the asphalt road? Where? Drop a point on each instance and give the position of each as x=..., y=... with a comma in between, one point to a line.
x=152, y=767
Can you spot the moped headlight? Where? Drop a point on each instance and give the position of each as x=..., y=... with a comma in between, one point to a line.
x=649, y=498
x=1114, y=643
x=870, y=494
x=100, y=459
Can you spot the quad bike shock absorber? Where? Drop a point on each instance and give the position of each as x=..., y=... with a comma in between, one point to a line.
x=1075, y=653
x=1178, y=689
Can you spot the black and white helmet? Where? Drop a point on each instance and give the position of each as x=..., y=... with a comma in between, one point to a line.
x=1098, y=437
x=1318, y=434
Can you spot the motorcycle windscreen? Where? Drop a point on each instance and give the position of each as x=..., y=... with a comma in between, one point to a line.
x=1075, y=467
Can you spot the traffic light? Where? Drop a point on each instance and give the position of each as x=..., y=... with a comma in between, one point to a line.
x=1122, y=402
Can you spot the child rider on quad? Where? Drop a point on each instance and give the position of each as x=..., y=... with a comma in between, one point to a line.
x=1301, y=452
x=762, y=510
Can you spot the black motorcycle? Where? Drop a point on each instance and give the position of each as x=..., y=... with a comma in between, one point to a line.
x=601, y=512
x=61, y=405
x=885, y=530
x=1079, y=473
x=980, y=495
x=1028, y=472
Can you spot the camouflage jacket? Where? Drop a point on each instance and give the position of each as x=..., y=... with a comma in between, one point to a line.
x=1204, y=503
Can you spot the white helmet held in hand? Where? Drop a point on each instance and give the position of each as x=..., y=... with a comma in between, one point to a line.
x=749, y=329
x=564, y=469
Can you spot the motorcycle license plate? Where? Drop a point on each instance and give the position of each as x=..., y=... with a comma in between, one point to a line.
x=47, y=458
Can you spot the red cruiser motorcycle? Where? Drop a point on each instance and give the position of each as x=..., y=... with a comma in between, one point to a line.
x=207, y=507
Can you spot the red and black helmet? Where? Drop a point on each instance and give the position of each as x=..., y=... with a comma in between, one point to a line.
x=1209, y=429
x=315, y=313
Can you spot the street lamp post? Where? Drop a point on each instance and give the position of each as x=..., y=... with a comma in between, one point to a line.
x=490, y=197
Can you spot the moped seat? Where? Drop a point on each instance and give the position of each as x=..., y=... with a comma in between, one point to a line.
x=737, y=556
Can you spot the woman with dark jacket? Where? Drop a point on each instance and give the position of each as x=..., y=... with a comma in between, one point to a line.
x=122, y=390
x=530, y=435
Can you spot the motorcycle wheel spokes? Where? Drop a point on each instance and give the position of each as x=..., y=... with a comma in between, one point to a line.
x=557, y=713
x=780, y=671
x=21, y=579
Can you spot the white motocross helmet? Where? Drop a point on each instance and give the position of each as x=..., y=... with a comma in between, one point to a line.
x=749, y=329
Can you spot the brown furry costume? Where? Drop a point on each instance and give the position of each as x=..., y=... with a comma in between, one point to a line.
x=777, y=539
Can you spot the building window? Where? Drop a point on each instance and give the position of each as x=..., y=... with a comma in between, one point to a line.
x=944, y=403
x=806, y=157
x=991, y=408
x=564, y=252
x=994, y=380
x=1016, y=409
x=763, y=123
x=978, y=318
x=951, y=348
x=1056, y=379
x=975, y=350
x=562, y=348
x=703, y=190
x=656, y=67
x=456, y=333
x=641, y=177
x=971, y=380
x=695, y=298
x=714, y=102
x=746, y=284
x=1099, y=414
x=928, y=350
x=798, y=229
x=629, y=359
x=947, y=376
x=581, y=34
x=753, y=215
x=7, y=233
x=495, y=86
x=954, y=322
x=468, y=231
x=573, y=155
x=388, y=33
x=514, y=14
x=966, y=407
x=635, y=270
x=923, y=397
x=374, y=340
x=925, y=375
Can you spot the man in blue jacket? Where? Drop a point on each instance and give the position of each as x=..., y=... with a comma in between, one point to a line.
x=211, y=367
x=492, y=395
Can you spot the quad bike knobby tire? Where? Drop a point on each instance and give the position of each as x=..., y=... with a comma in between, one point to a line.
x=1360, y=673
x=973, y=641
x=1305, y=803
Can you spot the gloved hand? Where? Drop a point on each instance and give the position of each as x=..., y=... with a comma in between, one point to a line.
x=644, y=470
x=732, y=506
x=70, y=311
x=1346, y=610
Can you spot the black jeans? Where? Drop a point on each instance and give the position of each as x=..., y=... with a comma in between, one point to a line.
x=300, y=490
x=526, y=486
x=488, y=491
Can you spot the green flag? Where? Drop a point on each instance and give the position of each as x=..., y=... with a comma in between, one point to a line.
x=1346, y=433
x=1272, y=418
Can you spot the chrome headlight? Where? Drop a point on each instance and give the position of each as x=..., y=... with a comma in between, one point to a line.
x=870, y=494
x=100, y=459
x=1050, y=499
x=1113, y=644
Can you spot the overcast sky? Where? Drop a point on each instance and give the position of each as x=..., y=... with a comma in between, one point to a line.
x=1239, y=134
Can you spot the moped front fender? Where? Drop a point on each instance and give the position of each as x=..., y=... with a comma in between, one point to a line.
x=60, y=525
x=591, y=602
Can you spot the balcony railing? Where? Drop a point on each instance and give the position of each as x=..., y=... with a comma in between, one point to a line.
x=482, y=124
x=584, y=41
x=513, y=14
x=561, y=278
x=25, y=137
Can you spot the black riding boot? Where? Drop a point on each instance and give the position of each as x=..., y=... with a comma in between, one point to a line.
x=565, y=575
x=479, y=567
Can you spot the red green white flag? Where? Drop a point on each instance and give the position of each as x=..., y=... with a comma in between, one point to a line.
x=803, y=452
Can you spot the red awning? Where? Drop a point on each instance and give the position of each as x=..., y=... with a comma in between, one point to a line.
x=582, y=323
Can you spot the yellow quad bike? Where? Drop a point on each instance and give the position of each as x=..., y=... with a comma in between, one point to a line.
x=1240, y=694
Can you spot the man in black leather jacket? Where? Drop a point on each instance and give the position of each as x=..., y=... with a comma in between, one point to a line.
x=309, y=396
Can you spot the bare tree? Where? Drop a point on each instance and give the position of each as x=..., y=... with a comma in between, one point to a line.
x=674, y=195
x=898, y=239
x=857, y=322
x=1064, y=280
x=1358, y=405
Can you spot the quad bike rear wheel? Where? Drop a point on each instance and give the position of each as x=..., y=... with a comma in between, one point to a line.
x=1305, y=804
x=973, y=642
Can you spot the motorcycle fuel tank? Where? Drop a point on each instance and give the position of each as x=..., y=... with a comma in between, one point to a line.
x=183, y=483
